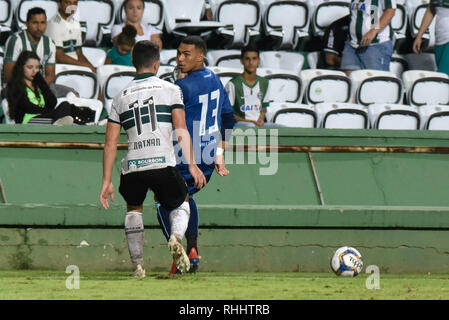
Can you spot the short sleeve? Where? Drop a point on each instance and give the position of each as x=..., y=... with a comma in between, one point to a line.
x=389, y=4
x=52, y=57
x=114, y=114
x=230, y=90
x=177, y=101
x=13, y=49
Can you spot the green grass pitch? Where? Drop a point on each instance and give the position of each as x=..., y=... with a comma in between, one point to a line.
x=49, y=285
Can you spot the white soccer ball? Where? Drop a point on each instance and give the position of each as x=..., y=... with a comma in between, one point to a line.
x=347, y=262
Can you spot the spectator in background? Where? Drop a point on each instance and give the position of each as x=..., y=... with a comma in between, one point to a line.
x=121, y=52
x=440, y=8
x=370, y=44
x=334, y=40
x=29, y=96
x=247, y=91
x=134, y=13
x=32, y=39
x=65, y=30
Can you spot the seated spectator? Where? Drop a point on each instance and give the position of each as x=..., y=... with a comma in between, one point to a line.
x=32, y=38
x=370, y=44
x=247, y=91
x=440, y=9
x=121, y=52
x=134, y=13
x=29, y=96
x=65, y=30
x=334, y=39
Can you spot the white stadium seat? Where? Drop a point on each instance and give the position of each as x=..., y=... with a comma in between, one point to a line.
x=293, y=115
x=241, y=19
x=168, y=57
x=434, y=117
x=342, y=116
x=398, y=65
x=6, y=16
x=426, y=87
x=326, y=13
x=287, y=21
x=98, y=17
x=400, y=20
x=394, y=117
x=80, y=78
x=166, y=73
x=375, y=86
x=283, y=86
x=292, y=61
x=326, y=86
x=96, y=56
x=224, y=58
x=50, y=7
x=112, y=79
x=225, y=73
x=153, y=13
x=182, y=18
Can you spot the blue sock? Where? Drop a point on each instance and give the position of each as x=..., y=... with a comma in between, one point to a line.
x=163, y=216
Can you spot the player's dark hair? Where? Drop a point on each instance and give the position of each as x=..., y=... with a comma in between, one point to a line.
x=34, y=11
x=145, y=53
x=249, y=48
x=197, y=41
x=127, y=36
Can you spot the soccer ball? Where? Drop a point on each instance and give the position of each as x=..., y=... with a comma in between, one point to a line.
x=347, y=262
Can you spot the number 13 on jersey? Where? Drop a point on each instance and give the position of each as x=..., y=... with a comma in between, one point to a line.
x=209, y=118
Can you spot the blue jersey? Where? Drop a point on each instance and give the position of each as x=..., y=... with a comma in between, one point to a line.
x=206, y=102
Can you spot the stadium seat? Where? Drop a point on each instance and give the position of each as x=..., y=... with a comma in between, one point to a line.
x=398, y=65
x=434, y=117
x=80, y=78
x=6, y=17
x=50, y=7
x=416, y=10
x=426, y=87
x=242, y=20
x=399, y=23
x=374, y=86
x=5, y=108
x=182, y=18
x=326, y=13
x=98, y=17
x=292, y=115
x=342, y=116
x=287, y=21
x=394, y=116
x=168, y=57
x=96, y=56
x=284, y=86
x=284, y=60
x=225, y=73
x=312, y=59
x=153, y=13
x=112, y=79
x=166, y=73
x=326, y=86
x=93, y=104
x=224, y=58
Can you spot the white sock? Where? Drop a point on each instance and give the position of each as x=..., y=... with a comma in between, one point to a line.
x=134, y=235
x=179, y=220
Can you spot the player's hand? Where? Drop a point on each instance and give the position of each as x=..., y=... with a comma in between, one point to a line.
x=417, y=45
x=107, y=191
x=220, y=166
x=198, y=176
x=259, y=122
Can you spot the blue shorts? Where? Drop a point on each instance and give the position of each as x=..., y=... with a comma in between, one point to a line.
x=183, y=169
x=376, y=56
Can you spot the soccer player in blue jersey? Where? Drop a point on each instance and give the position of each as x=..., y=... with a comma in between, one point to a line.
x=208, y=115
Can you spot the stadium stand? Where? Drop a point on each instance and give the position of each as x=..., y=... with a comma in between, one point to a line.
x=285, y=60
x=292, y=115
x=434, y=117
x=285, y=86
x=226, y=73
x=168, y=57
x=224, y=58
x=97, y=17
x=326, y=86
x=426, y=87
x=6, y=18
x=20, y=12
x=96, y=56
x=327, y=12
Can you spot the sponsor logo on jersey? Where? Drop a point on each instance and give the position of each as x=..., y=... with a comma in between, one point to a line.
x=254, y=107
x=140, y=163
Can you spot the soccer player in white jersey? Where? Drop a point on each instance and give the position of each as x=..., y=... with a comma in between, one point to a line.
x=370, y=44
x=148, y=109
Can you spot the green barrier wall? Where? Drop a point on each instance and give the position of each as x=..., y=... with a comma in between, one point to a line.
x=383, y=192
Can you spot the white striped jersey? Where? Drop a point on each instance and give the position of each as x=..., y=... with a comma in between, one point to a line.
x=365, y=14
x=143, y=108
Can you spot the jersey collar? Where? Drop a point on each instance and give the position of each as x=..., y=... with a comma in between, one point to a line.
x=143, y=76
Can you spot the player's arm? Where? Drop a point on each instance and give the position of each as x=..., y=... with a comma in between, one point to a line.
x=50, y=76
x=109, y=154
x=227, y=124
x=184, y=140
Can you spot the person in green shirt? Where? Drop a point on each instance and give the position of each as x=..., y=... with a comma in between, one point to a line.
x=248, y=92
x=121, y=52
